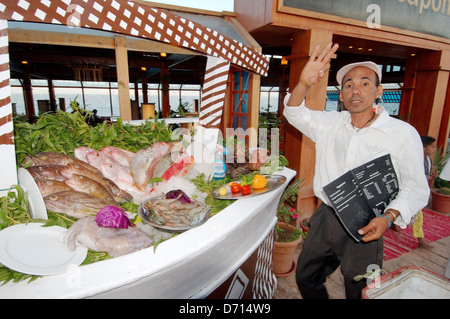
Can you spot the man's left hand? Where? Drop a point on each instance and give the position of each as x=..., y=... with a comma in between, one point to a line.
x=374, y=229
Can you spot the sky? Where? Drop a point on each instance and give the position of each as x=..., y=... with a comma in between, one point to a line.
x=214, y=5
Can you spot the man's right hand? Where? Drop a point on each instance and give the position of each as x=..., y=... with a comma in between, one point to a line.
x=313, y=72
x=318, y=64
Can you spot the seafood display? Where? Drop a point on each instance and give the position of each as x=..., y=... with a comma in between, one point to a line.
x=113, y=175
x=173, y=211
x=115, y=241
x=92, y=181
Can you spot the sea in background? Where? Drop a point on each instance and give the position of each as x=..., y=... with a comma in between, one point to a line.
x=105, y=99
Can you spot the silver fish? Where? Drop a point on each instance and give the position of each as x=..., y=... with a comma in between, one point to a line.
x=161, y=165
x=141, y=164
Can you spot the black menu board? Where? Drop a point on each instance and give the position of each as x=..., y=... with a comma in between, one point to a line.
x=363, y=193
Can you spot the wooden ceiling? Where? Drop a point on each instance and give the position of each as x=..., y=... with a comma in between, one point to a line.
x=276, y=40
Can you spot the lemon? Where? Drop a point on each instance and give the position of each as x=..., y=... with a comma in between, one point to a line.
x=222, y=191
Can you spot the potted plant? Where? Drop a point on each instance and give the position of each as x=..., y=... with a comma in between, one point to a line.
x=288, y=215
x=440, y=193
x=286, y=240
x=440, y=198
x=286, y=236
x=285, y=211
x=304, y=223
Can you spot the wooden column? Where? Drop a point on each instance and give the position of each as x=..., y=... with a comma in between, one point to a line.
x=165, y=80
x=51, y=93
x=300, y=150
x=28, y=94
x=253, y=109
x=123, y=78
x=429, y=115
x=444, y=129
x=144, y=89
x=409, y=83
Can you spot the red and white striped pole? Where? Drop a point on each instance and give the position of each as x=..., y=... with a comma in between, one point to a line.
x=8, y=170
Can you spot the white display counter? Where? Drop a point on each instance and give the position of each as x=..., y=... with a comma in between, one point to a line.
x=190, y=265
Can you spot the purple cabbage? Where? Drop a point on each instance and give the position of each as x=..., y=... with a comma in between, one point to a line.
x=112, y=217
x=180, y=195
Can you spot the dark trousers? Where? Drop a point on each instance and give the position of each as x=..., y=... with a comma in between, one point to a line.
x=327, y=246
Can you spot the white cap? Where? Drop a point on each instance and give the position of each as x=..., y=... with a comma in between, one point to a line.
x=368, y=64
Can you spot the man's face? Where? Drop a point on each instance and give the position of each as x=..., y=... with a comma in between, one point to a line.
x=359, y=89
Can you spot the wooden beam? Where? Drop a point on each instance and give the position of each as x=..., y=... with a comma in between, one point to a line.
x=106, y=41
x=123, y=78
x=165, y=80
x=28, y=94
x=300, y=150
x=254, y=89
x=432, y=80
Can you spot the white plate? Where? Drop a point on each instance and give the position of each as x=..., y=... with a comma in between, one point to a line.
x=35, y=201
x=35, y=250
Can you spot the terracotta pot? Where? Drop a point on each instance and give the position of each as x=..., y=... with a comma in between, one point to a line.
x=283, y=253
x=440, y=202
x=304, y=223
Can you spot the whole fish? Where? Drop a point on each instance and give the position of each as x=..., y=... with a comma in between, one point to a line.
x=47, y=187
x=74, y=204
x=144, y=158
x=81, y=152
x=98, y=158
x=47, y=172
x=46, y=158
x=120, y=195
x=87, y=185
x=119, y=155
x=112, y=170
x=179, y=168
x=125, y=181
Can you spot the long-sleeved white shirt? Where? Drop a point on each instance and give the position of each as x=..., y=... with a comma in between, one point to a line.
x=340, y=147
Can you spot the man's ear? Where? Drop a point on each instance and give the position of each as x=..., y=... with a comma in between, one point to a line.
x=379, y=91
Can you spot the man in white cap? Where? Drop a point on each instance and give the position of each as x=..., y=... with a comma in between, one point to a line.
x=345, y=140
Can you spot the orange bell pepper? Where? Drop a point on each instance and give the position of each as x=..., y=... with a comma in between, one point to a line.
x=259, y=181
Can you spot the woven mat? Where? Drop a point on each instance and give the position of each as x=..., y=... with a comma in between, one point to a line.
x=435, y=226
